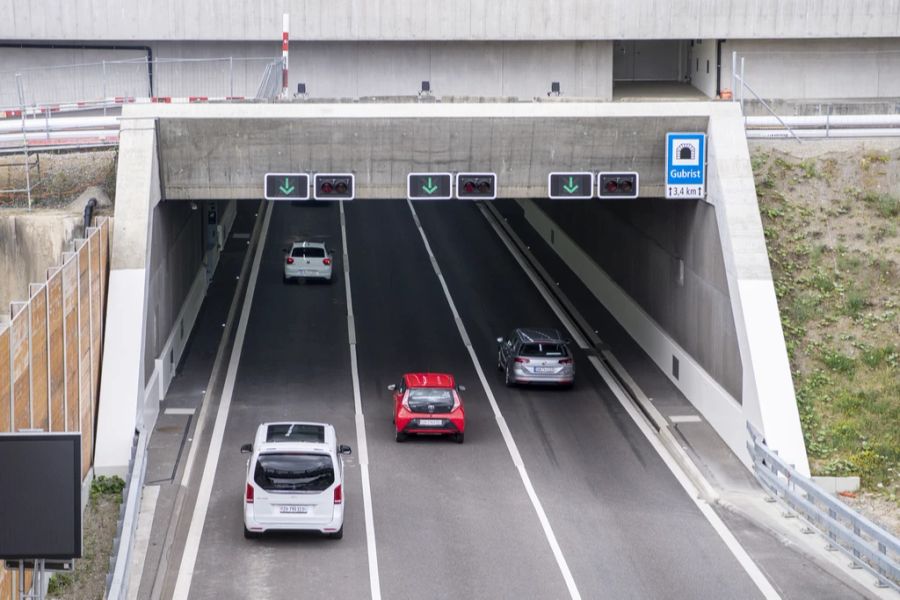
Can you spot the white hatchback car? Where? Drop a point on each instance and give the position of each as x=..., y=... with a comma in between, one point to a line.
x=307, y=260
x=295, y=478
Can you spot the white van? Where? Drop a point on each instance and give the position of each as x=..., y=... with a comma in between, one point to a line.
x=295, y=478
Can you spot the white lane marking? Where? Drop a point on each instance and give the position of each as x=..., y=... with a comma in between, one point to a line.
x=192, y=545
x=362, y=448
x=718, y=525
x=501, y=423
x=179, y=411
x=686, y=419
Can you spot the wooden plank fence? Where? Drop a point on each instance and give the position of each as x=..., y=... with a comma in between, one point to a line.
x=50, y=352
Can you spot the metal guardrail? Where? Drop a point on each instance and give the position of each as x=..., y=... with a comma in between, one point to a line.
x=868, y=545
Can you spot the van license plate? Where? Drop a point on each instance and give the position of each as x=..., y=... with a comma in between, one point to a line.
x=431, y=422
x=293, y=508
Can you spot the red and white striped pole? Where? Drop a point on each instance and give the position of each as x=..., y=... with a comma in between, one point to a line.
x=284, y=55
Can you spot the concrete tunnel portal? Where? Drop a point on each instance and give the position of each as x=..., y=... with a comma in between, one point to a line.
x=688, y=279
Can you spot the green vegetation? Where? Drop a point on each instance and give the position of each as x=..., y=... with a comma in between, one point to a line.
x=834, y=253
x=89, y=577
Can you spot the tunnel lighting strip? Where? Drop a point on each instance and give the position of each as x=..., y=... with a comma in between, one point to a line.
x=362, y=448
x=731, y=542
x=501, y=422
x=198, y=518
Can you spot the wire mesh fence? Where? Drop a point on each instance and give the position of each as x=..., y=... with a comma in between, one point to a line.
x=219, y=78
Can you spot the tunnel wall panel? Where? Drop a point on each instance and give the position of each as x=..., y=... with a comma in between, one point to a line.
x=630, y=239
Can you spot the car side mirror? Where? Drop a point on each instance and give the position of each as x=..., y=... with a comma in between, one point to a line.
x=344, y=449
x=246, y=448
x=461, y=388
x=392, y=387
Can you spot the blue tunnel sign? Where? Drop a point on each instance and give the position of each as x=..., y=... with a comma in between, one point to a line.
x=685, y=165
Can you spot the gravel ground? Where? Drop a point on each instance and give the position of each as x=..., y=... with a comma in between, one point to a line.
x=56, y=178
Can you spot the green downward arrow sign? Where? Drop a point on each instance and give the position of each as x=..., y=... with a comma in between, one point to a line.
x=430, y=188
x=286, y=187
x=571, y=187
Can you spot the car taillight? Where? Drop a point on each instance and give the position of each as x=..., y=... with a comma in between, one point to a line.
x=456, y=402
x=289, y=260
x=521, y=360
x=338, y=494
x=565, y=361
x=249, y=495
x=326, y=261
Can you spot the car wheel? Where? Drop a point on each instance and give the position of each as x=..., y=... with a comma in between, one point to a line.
x=460, y=437
x=250, y=535
x=509, y=381
x=337, y=535
x=400, y=437
x=499, y=361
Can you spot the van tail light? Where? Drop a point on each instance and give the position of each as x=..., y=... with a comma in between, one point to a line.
x=249, y=496
x=326, y=261
x=289, y=260
x=521, y=360
x=456, y=402
x=565, y=361
x=338, y=494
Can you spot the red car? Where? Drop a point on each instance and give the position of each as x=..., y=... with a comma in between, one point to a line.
x=428, y=404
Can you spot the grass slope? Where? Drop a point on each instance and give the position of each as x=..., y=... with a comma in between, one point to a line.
x=832, y=226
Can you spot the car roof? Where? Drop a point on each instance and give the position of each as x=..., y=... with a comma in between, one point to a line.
x=540, y=334
x=304, y=436
x=431, y=380
x=305, y=244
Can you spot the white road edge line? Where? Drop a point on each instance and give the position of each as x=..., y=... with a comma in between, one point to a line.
x=362, y=447
x=744, y=559
x=198, y=518
x=501, y=422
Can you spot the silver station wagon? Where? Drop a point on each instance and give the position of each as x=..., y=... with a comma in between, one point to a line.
x=536, y=355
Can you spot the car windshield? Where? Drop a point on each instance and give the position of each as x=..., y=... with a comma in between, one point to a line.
x=294, y=472
x=308, y=252
x=544, y=349
x=430, y=400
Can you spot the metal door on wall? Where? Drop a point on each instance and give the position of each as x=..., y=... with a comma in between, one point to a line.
x=648, y=60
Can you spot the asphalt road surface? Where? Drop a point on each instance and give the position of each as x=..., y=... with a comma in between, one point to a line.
x=449, y=520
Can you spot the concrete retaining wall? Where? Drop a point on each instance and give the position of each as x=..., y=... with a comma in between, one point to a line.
x=31, y=243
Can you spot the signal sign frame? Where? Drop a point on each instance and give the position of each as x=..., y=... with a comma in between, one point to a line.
x=637, y=185
x=316, y=176
x=282, y=198
x=553, y=174
x=493, y=196
x=411, y=196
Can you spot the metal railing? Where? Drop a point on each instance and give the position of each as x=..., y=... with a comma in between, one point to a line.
x=738, y=76
x=868, y=545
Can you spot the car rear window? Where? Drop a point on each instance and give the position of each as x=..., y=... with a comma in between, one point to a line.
x=539, y=349
x=430, y=400
x=294, y=472
x=295, y=432
x=311, y=252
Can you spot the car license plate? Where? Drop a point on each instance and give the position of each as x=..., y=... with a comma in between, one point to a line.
x=431, y=422
x=293, y=508
x=544, y=369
